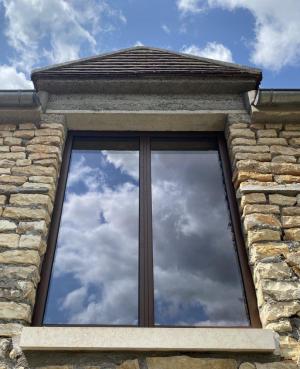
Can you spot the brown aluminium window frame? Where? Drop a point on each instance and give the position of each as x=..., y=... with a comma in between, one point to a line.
x=146, y=290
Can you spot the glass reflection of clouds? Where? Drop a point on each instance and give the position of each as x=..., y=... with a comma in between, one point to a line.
x=196, y=274
x=95, y=272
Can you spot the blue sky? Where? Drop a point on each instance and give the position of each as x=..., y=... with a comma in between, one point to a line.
x=260, y=33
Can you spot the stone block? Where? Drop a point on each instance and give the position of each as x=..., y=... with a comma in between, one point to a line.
x=32, y=200
x=8, y=188
x=23, y=162
x=42, y=179
x=257, y=220
x=282, y=326
x=186, y=362
x=275, y=271
x=286, y=179
x=277, y=365
x=254, y=166
x=245, y=176
x=42, y=149
x=3, y=199
x=272, y=141
x=129, y=364
x=257, y=208
x=30, y=257
x=4, y=149
x=295, y=141
x=285, y=168
x=266, y=133
x=49, y=140
x=12, y=156
x=289, y=134
x=5, y=163
x=253, y=198
x=38, y=227
x=28, y=273
x=34, y=170
x=284, y=150
x=259, y=157
x=281, y=290
x=7, y=225
x=241, y=133
x=24, y=133
x=17, y=180
x=10, y=240
x=12, y=141
x=10, y=329
x=243, y=141
x=26, y=213
x=270, y=312
x=252, y=149
x=49, y=132
x=36, y=188
x=290, y=221
x=291, y=210
x=293, y=259
x=292, y=234
x=31, y=242
x=282, y=200
x=260, y=251
x=284, y=159
x=40, y=156
x=17, y=149
x=12, y=310
x=263, y=235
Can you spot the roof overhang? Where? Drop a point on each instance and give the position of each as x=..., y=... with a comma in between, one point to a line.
x=146, y=70
x=149, y=85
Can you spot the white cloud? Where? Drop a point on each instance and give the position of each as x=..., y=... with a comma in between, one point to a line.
x=166, y=29
x=55, y=30
x=98, y=242
x=10, y=78
x=187, y=6
x=138, y=43
x=277, y=28
x=212, y=50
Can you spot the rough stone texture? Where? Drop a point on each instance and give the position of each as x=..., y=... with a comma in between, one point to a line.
x=27, y=192
x=129, y=364
x=269, y=195
x=185, y=362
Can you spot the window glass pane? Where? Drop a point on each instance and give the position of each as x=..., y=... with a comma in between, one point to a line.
x=95, y=273
x=196, y=274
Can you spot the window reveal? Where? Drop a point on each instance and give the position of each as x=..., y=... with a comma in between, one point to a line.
x=145, y=237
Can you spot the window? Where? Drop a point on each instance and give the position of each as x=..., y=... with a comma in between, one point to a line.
x=145, y=232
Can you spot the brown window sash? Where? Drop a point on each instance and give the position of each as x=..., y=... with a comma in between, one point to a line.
x=148, y=141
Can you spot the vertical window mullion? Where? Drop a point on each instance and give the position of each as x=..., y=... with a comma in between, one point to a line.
x=146, y=300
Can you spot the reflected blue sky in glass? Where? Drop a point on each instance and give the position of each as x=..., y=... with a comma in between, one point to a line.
x=196, y=274
x=95, y=272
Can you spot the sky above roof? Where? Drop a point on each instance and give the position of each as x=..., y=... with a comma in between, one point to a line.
x=258, y=33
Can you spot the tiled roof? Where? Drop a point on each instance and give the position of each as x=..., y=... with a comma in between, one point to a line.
x=145, y=62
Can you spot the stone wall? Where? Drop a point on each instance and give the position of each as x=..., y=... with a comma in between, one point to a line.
x=30, y=157
x=266, y=174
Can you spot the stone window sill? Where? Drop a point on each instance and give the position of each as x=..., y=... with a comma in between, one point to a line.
x=148, y=339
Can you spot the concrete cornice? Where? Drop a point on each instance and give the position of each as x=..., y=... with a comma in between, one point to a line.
x=274, y=105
